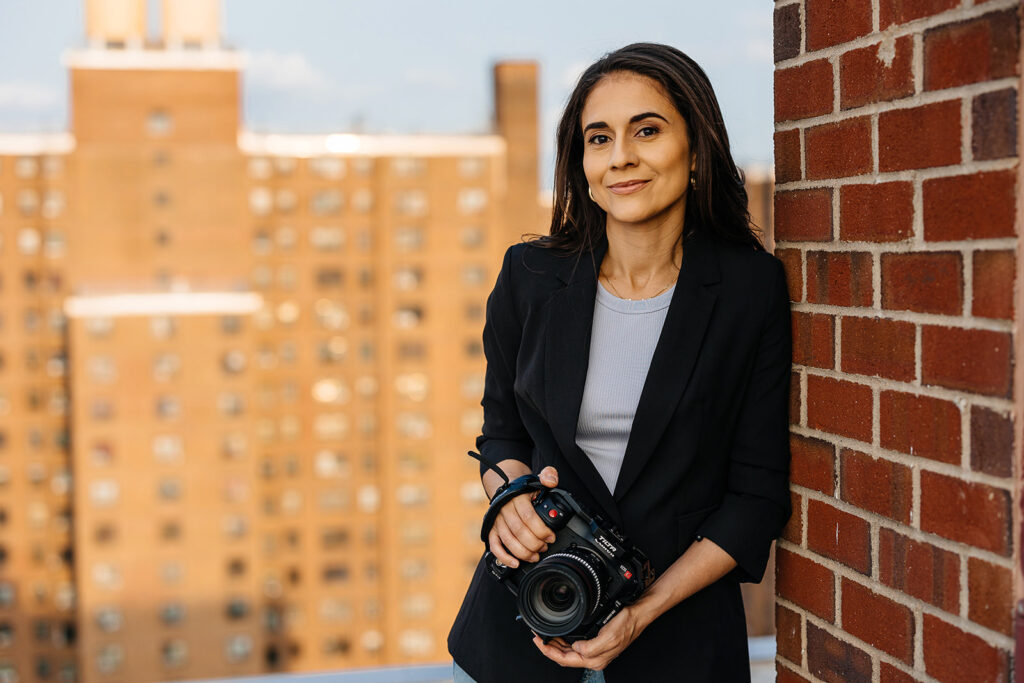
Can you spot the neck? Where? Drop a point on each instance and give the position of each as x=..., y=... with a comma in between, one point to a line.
x=644, y=255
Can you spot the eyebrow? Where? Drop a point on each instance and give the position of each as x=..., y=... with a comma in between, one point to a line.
x=638, y=117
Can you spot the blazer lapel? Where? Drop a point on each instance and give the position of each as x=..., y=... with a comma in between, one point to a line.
x=567, y=354
x=674, y=356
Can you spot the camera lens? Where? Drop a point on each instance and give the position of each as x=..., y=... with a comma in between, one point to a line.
x=560, y=592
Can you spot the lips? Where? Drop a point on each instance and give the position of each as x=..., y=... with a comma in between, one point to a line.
x=628, y=186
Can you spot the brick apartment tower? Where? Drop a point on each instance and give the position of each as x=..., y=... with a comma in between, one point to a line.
x=897, y=217
x=239, y=372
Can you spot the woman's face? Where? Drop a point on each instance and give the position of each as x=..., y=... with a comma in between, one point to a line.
x=636, y=150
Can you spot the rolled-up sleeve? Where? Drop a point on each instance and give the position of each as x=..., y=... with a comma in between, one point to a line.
x=756, y=505
x=503, y=436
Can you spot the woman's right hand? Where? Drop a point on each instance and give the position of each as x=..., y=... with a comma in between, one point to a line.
x=518, y=532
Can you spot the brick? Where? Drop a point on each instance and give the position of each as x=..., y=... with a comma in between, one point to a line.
x=991, y=442
x=793, y=263
x=927, y=281
x=966, y=512
x=919, y=137
x=803, y=91
x=902, y=11
x=794, y=529
x=830, y=22
x=890, y=674
x=787, y=154
x=794, y=398
x=989, y=595
x=813, y=339
x=994, y=275
x=877, y=485
x=805, y=583
x=980, y=49
x=784, y=675
x=878, y=347
x=920, y=570
x=788, y=634
x=878, y=621
x=839, y=535
x=787, y=32
x=835, y=661
x=971, y=360
x=803, y=215
x=953, y=656
x=994, y=125
x=840, y=278
x=920, y=425
x=837, y=150
x=812, y=463
x=973, y=206
x=877, y=73
x=876, y=213
x=839, y=407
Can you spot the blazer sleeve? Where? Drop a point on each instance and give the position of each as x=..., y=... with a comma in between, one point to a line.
x=757, y=504
x=503, y=435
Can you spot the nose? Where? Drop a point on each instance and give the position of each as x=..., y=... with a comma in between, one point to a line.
x=623, y=153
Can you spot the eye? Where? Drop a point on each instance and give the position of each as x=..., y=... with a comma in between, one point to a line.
x=648, y=131
x=598, y=139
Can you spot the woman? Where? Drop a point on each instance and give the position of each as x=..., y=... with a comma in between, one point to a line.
x=638, y=357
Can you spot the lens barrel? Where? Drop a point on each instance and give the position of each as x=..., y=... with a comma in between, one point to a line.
x=560, y=592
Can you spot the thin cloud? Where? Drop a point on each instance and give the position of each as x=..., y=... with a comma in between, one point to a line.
x=284, y=71
x=434, y=78
x=28, y=96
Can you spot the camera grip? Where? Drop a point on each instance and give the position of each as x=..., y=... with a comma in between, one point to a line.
x=528, y=483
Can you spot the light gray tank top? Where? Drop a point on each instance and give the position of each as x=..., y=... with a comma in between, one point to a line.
x=622, y=344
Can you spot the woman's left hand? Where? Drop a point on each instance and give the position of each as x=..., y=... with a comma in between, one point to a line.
x=599, y=651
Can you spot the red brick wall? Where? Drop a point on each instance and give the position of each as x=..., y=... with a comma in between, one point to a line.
x=896, y=216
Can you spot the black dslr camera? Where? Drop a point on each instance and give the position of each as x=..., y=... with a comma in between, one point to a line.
x=582, y=580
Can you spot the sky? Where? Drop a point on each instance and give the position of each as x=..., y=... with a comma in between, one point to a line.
x=412, y=66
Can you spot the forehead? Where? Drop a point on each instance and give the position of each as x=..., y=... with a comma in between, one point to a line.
x=623, y=94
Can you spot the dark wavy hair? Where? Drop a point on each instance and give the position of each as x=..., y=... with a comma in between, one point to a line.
x=719, y=202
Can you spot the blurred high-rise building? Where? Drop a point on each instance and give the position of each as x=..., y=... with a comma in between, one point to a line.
x=239, y=372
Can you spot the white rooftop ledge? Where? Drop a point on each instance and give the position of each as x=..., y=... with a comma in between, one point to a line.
x=163, y=303
x=31, y=144
x=207, y=59
x=348, y=144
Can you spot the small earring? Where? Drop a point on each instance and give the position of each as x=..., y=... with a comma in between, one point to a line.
x=693, y=183
x=590, y=191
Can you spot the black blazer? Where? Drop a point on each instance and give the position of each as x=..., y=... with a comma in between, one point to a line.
x=707, y=456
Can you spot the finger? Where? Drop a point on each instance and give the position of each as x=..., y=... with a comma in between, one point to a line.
x=531, y=520
x=559, y=656
x=512, y=543
x=502, y=555
x=549, y=477
x=517, y=516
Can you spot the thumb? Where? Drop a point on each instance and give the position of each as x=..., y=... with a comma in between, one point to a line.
x=549, y=477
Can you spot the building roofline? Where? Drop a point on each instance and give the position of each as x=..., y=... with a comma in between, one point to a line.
x=171, y=59
x=351, y=145
x=162, y=303
x=36, y=143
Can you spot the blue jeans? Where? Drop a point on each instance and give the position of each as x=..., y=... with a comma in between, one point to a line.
x=589, y=676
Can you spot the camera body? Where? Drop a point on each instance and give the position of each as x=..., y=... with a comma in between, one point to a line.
x=584, y=578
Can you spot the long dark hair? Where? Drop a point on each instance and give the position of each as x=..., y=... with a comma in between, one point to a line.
x=719, y=202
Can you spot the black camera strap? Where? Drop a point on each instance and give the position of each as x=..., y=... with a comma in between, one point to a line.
x=489, y=465
x=528, y=483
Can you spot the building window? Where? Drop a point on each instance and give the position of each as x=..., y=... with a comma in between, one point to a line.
x=26, y=167
x=418, y=605
x=99, y=327
x=285, y=166
x=331, y=391
x=362, y=201
x=237, y=608
x=286, y=200
x=473, y=276
x=159, y=123
x=472, y=200
x=172, y=613
x=331, y=426
x=230, y=404
x=101, y=409
x=102, y=369
x=162, y=327
x=109, y=658
x=106, y=575
x=409, y=238
x=29, y=241
x=53, y=204
x=471, y=167
x=363, y=166
x=236, y=526
x=331, y=465
x=53, y=244
x=7, y=594
x=262, y=244
x=411, y=202
x=233, y=362
x=104, y=492
x=325, y=202
x=327, y=238
x=168, y=407
x=408, y=278
x=331, y=315
x=408, y=167
x=166, y=366
x=329, y=278
x=238, y=648
x=333, y=350
x=330, y=168
x=109, y=619
x=412, y=495
x=174, y=653
x=412, y=385
x=333, y=609
x=261, y=201
x=408, y=317
x=169, y=488
x=260, y=168
x=413, y=425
